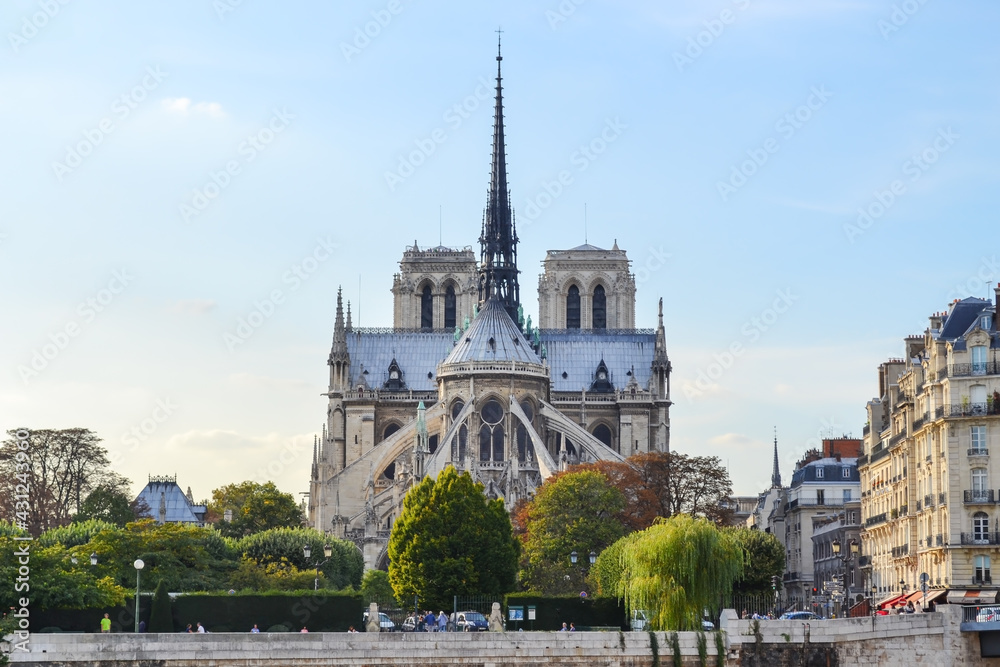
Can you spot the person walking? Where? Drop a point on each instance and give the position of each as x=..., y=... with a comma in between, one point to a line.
x=201, y=628
x=564, y=628
x=106, y=624
x=255, y=630
x=442, y=622
x=431, y=622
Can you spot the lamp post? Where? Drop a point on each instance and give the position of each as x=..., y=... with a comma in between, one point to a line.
x=853, y=549
x=138, y=564
x=327, y=552
x=93, y=558
x=574, y=557
x=874, y=591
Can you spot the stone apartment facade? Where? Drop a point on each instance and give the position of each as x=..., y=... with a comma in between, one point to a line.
x=929, y=499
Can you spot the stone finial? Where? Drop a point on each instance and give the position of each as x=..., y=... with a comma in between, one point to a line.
x=496, y=619
x=373, y=624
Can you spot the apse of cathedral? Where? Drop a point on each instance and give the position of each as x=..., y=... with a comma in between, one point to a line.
x=464, y=379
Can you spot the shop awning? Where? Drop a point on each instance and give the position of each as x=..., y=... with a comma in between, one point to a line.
x=893, y=600
x=972, y=597
x=931, y=596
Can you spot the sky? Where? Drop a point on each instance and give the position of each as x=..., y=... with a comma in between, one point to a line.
x=186, y=184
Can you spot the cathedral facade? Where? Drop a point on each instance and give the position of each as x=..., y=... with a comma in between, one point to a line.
x=463, y=379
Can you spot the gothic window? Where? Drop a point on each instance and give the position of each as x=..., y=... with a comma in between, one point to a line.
x=522, y=433
x=390, y=471
x=573, y=308
x=389, y=430
x=426, y=308
x=432, y=444
x=449, y=307
x=456, y=409
x=463, y=440
x=491, y=433
x=599, y=308
x=603, y=433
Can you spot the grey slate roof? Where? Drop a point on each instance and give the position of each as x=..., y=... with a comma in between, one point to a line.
x=179, y=508
x=417, y=354
x=962, y=317
x=493, y=336
x=832, y=472
x=577, y=354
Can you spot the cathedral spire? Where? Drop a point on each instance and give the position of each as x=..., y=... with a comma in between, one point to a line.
x=775, y=474
x=498, y=240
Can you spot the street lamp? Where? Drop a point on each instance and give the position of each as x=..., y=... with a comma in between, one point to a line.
x=327, y=552
x=853, y=549
x=138, y=564
x=93, y=558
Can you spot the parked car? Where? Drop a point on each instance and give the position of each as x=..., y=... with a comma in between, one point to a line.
x=469, y=621
x=707, y=626
x=385, y=623
x=411, y=624
x=800, y=616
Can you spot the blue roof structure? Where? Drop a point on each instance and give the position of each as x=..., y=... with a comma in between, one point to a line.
x=493, y=336
x=573, y=356
x=164, y=493
x=962, y=317
x=416, y=352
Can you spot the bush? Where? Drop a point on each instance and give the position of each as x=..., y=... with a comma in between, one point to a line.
x=160, y=615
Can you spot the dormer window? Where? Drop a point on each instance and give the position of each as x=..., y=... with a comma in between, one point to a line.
x=984, y=322
x=845, y=473
x=819, y=473
x=602, y=381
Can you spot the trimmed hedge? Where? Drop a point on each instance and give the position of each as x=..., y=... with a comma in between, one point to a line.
x=552, y=611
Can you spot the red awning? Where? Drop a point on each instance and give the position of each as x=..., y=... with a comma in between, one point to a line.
x=892, y=601
x=931, y=596
x=972, y=597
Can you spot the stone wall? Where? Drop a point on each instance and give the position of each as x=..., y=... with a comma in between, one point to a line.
x=520, y=649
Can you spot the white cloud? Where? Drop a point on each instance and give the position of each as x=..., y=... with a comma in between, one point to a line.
x=184, y=107
x=192, y=306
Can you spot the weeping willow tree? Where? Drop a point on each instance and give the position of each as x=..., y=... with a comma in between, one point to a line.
x=676, y=568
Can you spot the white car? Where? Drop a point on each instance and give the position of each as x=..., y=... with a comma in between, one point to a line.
x=385, y=623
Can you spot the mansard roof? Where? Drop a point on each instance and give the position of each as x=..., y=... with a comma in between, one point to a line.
x=179, y=508
x=416, y=352
x=575, y=353
x=962, y=317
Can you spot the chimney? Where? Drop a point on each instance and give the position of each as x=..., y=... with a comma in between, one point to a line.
x=838, y=456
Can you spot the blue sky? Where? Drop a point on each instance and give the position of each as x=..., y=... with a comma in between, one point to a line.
x=169, y=166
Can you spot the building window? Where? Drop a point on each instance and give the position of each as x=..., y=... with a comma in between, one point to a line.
x=491, y=433
x=847, y=495
x=819, y=473
x=984, y=322
x=980, y=528
x=978, y=437
x=449, y=307
x=979, y=360
x=573, y=308
x=603, y=433
x=983, y=570
x=979, y=481
x=845, y=473
x=820, y=497
x=600, y=311
x=426, y=308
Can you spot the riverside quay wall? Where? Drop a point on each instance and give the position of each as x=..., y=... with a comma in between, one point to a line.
x=319, y=649
x=904, y=641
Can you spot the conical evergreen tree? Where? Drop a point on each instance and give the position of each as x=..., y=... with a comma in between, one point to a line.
x=161, y=617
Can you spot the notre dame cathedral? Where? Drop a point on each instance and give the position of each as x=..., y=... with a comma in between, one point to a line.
x=462, y=379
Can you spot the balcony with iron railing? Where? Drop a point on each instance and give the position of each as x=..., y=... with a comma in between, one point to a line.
x=879, y=453
x=983, y=537
x=921, y=420
x=941, y=497
x=966, y=410
x=896, y=439
x=978, y=496
x=876, y=520
x=968, y=370
x=939, y=540
x=928, y=501
x=979, y=451
x=899, y=552
x=920, y=506
x=904, y=510
x=928, y=540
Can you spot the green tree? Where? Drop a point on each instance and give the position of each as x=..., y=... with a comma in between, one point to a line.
x=577, y=511
x=607, y=571
x=55, y=580
x=74, y=534
x=161, y=618
x=60, y=466
x=375, y=587
x=274, y=576
x=343, y=569
x=106, y=504
x=450, y=539
x=764, y=558
x=255, y=507
x=677, y=568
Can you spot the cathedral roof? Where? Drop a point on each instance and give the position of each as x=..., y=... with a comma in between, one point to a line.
x=493, y=336
x=573, y=356
x=587, y=246
x=417, y=354
x=178, y=508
